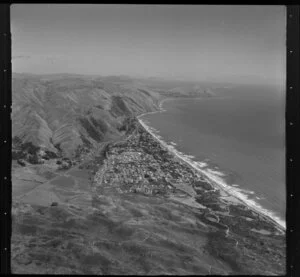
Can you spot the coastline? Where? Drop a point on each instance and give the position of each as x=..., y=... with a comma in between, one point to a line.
x=251, y=204
x=149, y=208
x=141, y=167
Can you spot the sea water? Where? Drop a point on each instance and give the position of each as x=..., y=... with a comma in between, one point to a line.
x=237, y=138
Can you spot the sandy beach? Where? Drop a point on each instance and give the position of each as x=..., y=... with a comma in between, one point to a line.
x=233, y=194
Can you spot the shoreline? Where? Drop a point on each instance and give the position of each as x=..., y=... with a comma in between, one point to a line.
x=255, y=207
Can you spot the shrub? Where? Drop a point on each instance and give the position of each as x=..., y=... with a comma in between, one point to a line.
x=33, y=159
x=50, y=154
x=15, y=154
x=22, y=163
x=30, y=148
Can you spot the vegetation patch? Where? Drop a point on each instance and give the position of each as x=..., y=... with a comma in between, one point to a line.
x=145, y=92
x=118, y=107
x=99, y=124
x=27, y=151
x=91, y=129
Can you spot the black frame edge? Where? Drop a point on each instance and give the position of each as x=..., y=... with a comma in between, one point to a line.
x=292, y=140
x=5, y=137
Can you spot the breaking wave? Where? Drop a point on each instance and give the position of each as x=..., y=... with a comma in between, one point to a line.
x=216, y=177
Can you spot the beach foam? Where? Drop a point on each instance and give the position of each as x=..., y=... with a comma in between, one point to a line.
x=215, y=172
x=202, y=164
x=215, y=178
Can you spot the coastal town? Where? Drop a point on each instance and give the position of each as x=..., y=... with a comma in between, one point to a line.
x=142, y=165
x=140, y=197
x=146, y=140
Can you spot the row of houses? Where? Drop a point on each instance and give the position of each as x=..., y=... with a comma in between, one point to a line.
x=140, y=164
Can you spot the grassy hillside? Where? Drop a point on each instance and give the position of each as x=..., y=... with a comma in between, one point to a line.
x=61, y=113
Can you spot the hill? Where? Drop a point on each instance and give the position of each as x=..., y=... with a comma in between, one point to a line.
x=65, y=113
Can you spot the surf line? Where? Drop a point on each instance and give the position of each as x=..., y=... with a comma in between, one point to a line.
x=226, y=188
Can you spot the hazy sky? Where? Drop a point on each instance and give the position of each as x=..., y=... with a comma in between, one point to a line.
x=192, y=42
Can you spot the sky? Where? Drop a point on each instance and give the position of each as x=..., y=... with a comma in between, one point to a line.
x=167, y=41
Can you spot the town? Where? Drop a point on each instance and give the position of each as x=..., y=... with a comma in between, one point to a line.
x=140, y=164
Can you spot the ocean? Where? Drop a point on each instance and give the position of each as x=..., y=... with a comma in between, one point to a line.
x=237, y=138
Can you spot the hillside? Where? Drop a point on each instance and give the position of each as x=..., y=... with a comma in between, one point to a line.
x=127, y=206
x=65, y=113
x=134, y=208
